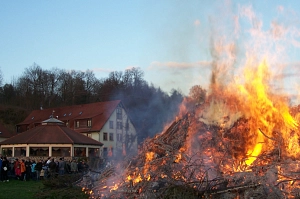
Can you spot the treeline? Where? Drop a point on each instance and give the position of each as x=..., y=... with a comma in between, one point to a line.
x=149, y=107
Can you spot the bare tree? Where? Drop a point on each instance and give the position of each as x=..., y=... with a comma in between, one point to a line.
x=197, y=94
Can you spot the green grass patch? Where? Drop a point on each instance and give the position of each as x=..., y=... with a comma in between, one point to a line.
x=60, y=187
x=20, y=189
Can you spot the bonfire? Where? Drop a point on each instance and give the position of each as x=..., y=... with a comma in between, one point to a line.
x=241, y=142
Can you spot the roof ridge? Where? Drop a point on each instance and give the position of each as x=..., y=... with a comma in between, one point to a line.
x=66, y=133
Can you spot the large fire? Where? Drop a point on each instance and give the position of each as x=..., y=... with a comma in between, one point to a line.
x=267, y=113
x=231, y=132
x=243, y=135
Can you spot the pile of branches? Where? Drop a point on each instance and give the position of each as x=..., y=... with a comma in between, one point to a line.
x=172, y=172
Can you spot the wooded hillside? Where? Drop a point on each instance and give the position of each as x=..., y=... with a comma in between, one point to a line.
x=149, y=107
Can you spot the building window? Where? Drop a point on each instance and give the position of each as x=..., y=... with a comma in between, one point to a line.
x=89, y=135
x=111, y=124
x=77, y=124
x=119, y=125
x=105, y=136
x=7, y=151
x=39, y=151
x=111, y=137
x=119, y=137
x=89, y=123
x=61, y=151
x=93, y=152
x=119, y=113
x=79, y=151
x=20, y=151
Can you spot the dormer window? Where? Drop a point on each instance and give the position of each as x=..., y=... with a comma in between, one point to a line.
x=70, y=114
x=32, y=118
x=65, y=114
x=80, y=113
x=77, y=124
x=89, y=122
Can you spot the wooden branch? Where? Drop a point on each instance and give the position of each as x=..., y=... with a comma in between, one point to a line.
x=266, y=135
x=233, y=189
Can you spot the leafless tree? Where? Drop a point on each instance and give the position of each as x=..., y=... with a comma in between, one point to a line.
x=197, y=94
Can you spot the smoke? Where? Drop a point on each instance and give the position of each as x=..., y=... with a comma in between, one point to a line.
x=243, y=38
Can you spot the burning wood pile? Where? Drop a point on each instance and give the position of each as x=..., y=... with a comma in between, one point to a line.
x=228, y=147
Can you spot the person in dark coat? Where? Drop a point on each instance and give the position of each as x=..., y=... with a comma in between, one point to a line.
x=52, y=168
x=79, y=166
x=38, y=168
x=4, y=169
x=84, y=166
x=11, y=171
x=28, y=169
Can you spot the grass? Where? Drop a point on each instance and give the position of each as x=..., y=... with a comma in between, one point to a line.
x=56, y=188
x=20, y=189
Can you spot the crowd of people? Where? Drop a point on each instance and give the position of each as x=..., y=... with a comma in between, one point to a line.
x=28, y=169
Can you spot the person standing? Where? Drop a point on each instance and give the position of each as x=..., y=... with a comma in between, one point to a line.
x=23, y=169
x=84, y=166
x=28, y=169
x=74, y=168
x=38, y=169
x=68, y=166
x=61, y=167
x=33, y=171
x=79, y=166
x=4, y=170
x=52, y=168
x=11, y=171
x=17, y=168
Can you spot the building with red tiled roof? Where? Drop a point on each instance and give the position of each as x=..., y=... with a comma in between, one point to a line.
x=106, y=122
x=51, y=138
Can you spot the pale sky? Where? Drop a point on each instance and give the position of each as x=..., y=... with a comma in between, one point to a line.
x=169, y=40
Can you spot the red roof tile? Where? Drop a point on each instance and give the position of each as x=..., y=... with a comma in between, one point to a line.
x=101, y=111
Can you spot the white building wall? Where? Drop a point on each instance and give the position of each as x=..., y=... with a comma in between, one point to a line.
x=115, y=144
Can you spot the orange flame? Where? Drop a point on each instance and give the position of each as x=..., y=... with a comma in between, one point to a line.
x=266, y=111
